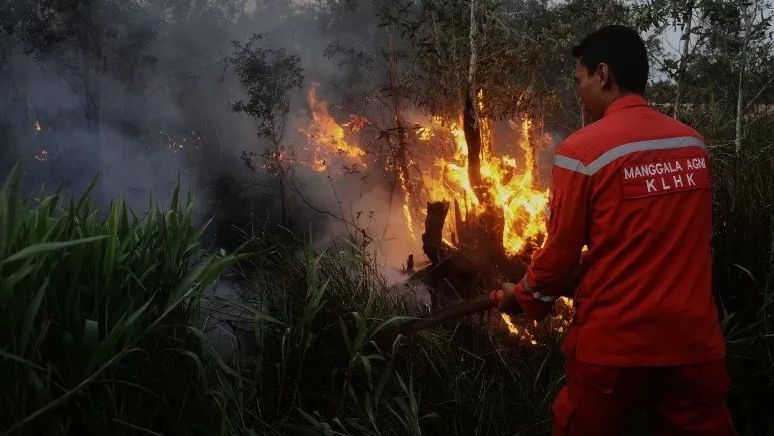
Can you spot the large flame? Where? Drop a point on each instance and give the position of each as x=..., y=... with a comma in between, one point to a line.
x=511, y=187
x=327, y=137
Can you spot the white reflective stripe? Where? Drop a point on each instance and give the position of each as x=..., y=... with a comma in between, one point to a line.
x=537, y=295
x=622, y=150
x=544, y=298
x=569, y=164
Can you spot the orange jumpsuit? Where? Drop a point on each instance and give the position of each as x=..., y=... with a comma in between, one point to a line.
x=635, y=188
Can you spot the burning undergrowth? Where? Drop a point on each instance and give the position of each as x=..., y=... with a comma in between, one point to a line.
x=423, y=162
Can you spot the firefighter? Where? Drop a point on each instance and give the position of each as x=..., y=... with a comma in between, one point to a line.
x=633, y=186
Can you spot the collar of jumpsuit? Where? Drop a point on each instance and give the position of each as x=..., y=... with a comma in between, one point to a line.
x=635, y=188
x=625, y=101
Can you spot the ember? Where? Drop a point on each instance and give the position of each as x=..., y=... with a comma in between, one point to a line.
x=356, y=123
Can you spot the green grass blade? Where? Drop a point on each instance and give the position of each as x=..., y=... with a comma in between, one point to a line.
x=47, y=247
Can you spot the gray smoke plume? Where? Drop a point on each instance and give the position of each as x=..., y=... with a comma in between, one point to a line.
x=165, y=113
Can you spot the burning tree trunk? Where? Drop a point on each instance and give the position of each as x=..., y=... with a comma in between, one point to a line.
x=472, y=129
x=483, y=229
x=479, y=255
x=471, y=123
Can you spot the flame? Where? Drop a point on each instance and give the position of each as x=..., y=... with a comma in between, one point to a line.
x=529, y=332
x=37, y=126
x=509, y=187
x=177, y=142
x=508, y=184
x=327, y=137
x=525, y=334
x=509, y=323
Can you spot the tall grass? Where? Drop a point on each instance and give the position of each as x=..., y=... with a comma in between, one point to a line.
x=98, y=316
x=743, y=245
x=320, y=365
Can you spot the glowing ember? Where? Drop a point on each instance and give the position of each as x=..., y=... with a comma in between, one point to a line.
x=277, y=160
x=424, y=134
x=178, y=142
x=38, y=126
x=327, y=136
x=356, y=123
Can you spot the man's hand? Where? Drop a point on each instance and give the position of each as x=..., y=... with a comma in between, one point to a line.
x=505, y=299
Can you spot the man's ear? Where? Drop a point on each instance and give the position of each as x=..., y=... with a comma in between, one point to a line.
x=603, y=71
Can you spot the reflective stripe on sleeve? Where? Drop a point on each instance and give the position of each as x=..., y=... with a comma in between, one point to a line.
x=537, y=295
x=622, y=150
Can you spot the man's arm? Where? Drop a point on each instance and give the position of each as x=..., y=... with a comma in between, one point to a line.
x=554, y=264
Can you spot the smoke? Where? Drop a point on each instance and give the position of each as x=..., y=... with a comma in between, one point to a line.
x=168, y=117
x=165, y=117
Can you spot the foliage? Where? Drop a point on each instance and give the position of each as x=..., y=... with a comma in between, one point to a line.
x=99, y=316
x=268, y=75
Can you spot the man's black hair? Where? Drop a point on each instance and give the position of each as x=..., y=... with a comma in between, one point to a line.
x=622, y=49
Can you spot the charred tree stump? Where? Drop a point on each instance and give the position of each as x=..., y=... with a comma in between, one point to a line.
x=432, y=239
x=459, y=224
x=447, y=263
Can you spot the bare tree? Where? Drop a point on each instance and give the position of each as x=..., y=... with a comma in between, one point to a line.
x=687, y=28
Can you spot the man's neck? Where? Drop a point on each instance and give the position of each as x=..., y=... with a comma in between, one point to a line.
x=612, y=96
